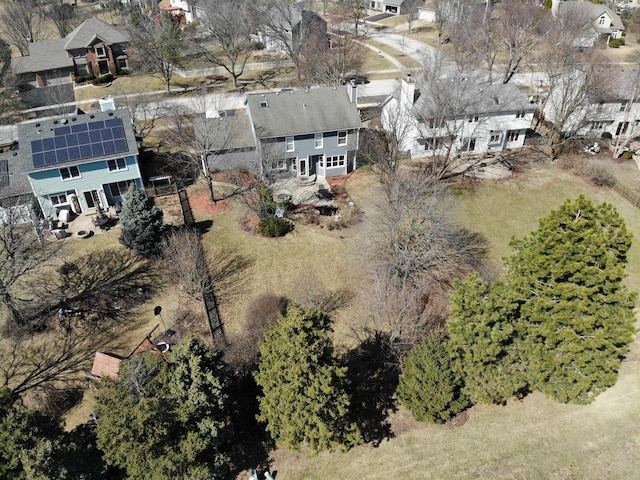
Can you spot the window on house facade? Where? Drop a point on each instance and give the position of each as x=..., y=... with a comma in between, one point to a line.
x=469, y=144
x=60, y=198
x=289, y=145
x=598, y=125
x=520, y=114
x=117, y=164
x=473, y=119
x=434, y=122
x=342, y=138
x=602, y=20
x=280, y=164
x=433, y=143
x=513, y=135
x=100, y=51
x=118, y=189
x=494, y=137
x=291, y=161
x=68, y=173
x=623, y=106
x=319, y=140
x=122, y=63
x=334, y=161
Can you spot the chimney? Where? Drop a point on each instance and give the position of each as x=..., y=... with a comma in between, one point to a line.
x=554, y=7
x=107, y=103
x=407, y=92
x=352, y=92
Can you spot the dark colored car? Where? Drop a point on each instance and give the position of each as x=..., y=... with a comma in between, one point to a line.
x=357, y=79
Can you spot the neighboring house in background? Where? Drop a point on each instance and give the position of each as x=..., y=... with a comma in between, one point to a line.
x=78, y=162
x=94, y=48
x=601, y=22
x=496, y=117
x=186, y=12
x=615, y=114
x=306, y=132
x=298, y=26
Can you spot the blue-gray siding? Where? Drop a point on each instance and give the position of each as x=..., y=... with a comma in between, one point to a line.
x=93, y=176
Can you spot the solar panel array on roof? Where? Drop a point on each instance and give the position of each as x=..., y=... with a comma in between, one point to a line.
x=77, y=142
x=4, y=172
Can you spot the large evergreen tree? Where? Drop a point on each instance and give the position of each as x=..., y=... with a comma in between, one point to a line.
x=428, y=386
x=304, y=399
x=162, y=420
x=142, y=223
x=578, y=315
x=486, y=340
x=561, y=322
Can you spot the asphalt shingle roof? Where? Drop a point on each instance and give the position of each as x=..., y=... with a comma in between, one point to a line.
x=299, y=112
x=44, y=129
x=43, y=56
x=89, y=30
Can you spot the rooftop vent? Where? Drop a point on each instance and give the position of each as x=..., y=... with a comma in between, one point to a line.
x=263, y=104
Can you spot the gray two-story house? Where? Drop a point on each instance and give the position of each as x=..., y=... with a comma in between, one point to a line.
x=79, y=162
x=306, y=132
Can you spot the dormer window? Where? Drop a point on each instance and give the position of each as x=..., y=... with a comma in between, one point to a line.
x=602, y=20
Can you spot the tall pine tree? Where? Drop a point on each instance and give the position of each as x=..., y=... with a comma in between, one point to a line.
x=561, y=322
x=142, y=223
x=577, y=313
x=162, y=420
x=304, y=399
x=428, y=386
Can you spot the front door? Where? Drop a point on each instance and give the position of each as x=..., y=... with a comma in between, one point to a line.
x=302, y=170
x=92, y=198
x=103, y=65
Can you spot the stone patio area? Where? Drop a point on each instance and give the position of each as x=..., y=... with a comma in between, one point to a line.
x=84, y=223
x=312, y=191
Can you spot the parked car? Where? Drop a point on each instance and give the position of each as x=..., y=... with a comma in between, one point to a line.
x=356, y=78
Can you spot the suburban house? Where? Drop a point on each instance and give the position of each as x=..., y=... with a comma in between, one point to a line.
x=94, y=48
x=183, y=11
x=78, y=162
x=614, y=114
x=290, y=29
x=601, y=22
x=306, y=132
x=394, y=7
x=474, y=117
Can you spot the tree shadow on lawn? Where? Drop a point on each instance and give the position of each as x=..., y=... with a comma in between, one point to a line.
x=98, y=286
x=374, y=378
x=251, y=444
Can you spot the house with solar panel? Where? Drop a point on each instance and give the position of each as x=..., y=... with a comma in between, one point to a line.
x=79, y=162
x=307, y=132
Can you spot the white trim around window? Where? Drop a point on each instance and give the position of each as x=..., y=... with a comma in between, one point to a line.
x=60, y=198
x=318, y=140
x=117, y=164
x=342, y=138
x=69, y=173
x=289, y=144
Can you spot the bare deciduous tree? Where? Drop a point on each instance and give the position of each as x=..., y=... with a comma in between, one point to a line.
x=23, y=256
x=288, y=23
x=576, y=77
x=327, y=64
x=192, y=133
x=228, y=22
x=185, y=260
x=449, y=13
x=157, y=43
x=356, y=10
x=21, y=23
x=63, y=16
x=416, y=250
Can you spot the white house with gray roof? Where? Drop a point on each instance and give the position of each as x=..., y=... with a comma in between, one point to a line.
x=77, y=162
x=460, y=116
x=94, y=48
x=306, y=132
